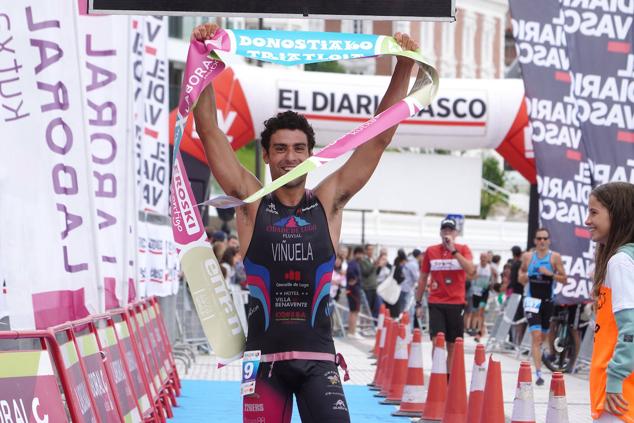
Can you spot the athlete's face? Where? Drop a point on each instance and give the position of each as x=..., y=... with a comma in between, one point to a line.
x=484, y=259
x=598, y=221
x=288, y=148
x=542, y=240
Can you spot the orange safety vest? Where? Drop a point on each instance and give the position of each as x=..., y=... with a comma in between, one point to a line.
x=605, y=337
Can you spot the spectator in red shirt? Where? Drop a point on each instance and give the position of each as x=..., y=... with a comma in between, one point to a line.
x=447, y=266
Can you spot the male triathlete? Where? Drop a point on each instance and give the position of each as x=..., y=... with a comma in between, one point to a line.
x=289, y=241
x=449, y=265
x=540, y=269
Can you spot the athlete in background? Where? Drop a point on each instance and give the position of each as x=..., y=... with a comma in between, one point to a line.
x=540, y=270
x=288, y=242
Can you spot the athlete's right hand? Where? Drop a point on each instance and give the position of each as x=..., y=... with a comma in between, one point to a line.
x=205, y=31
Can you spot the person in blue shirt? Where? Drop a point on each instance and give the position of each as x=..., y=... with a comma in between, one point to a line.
x=541, y=268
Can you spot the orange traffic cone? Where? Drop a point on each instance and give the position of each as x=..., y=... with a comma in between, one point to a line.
x=374, y=386
x=493, y=407
x=408, y=327
x=478, y=380
x=523, y=404
x=389, y=370
x=456, y=408
x=437, y=389
x=399, y=375
x=379, y=329
x=388, y=358
x=413, y=398
x=557, y=405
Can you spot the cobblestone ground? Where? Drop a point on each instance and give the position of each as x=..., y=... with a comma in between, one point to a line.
x=362, y=370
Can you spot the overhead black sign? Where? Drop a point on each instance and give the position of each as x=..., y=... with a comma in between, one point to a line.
x=342, y=9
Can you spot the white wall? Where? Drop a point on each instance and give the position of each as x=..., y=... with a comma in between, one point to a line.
x=418, y=183
x=395, y=231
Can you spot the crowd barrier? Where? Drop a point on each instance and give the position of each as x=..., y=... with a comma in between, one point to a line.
x=113, y=367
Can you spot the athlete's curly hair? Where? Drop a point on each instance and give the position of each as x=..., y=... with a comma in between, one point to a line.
x=287, y=120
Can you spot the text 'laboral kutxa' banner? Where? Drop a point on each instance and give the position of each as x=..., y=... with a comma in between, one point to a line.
x=68, y=199
x=578, y=68
x=209, y=291
x=28, y=388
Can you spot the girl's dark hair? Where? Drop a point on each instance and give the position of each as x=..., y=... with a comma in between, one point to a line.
x=228, y=255
x=618, y=198
x=287, y=120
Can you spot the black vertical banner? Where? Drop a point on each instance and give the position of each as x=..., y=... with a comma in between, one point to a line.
x=577, y=62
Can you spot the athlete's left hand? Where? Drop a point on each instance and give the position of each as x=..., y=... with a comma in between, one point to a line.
x=615, y=404
x=406, y=43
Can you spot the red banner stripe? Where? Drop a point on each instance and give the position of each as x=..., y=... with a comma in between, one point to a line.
x=582, y=233
x=625, y=136
x=562, y=76
x=619, y=47
x=151, y=132
x=573, y=155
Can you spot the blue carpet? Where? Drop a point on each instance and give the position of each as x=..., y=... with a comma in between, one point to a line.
x=211, y=401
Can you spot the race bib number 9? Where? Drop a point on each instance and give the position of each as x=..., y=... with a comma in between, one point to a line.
x=250, y=365
x=532, y=305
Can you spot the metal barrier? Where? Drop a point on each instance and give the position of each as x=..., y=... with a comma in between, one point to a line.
x=190, y=331
x=116, y=366
x=499, y=332
x=153, y=340
x=46, y=385
x=151, y=409
x=83, y=361
x=585, y=350
x=366, y=323
x=120, y=376
x=526, y=345
x=161, y=334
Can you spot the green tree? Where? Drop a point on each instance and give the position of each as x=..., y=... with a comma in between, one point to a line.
x=492, y=172
x=246, y=156
x=333, y=67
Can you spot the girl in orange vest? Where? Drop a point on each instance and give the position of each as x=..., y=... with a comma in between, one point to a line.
x=611, y=223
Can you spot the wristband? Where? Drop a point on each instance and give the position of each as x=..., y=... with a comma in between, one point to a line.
x=419, y=304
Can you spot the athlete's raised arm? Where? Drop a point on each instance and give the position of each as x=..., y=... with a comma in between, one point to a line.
x=339, y=187
x=233, y=178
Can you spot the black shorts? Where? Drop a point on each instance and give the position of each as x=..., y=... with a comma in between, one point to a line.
x=479, y=301
x=519, y=313
x=541, y=319
x=354, y=297
x=446, y=318
x=315, y=384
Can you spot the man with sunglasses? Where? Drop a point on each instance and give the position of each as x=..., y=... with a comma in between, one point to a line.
x=539, y=271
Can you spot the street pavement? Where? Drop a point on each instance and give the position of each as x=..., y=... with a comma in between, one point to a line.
x=362, y=370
